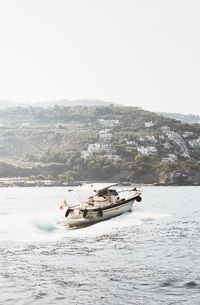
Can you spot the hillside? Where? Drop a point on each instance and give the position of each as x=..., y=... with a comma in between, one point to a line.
x=100, y=143
x=184, y=118
x=47, y=104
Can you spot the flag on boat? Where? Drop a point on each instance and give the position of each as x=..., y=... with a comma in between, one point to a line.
x=64, y=204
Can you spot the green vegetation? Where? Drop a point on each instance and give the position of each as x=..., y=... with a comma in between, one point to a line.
x=47, y=143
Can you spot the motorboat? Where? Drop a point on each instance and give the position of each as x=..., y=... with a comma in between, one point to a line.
x=105, y=204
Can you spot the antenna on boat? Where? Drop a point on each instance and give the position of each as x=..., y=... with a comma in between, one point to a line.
x=75, y=194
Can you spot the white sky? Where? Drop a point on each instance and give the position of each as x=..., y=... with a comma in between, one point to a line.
x=134, y=52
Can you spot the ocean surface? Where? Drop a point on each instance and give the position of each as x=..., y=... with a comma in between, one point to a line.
x=148, y=256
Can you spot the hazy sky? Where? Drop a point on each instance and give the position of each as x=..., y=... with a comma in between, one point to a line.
x=133, y=52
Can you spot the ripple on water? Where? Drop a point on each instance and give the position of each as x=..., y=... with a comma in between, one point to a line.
x=180, y=284
x=150, y=256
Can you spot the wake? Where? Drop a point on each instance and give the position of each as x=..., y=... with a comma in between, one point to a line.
x=43, y=227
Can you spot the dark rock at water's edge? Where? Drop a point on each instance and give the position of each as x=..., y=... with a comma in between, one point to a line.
x=179, y=177
x=25, y=182
x=184, y=178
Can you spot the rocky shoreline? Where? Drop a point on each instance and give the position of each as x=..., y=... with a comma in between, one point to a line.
x=25, y=182
x=178, y=179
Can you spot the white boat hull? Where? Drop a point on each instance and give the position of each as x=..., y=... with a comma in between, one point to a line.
x=93, y=216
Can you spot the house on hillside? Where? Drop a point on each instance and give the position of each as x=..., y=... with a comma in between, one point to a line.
x=151, y=139
x=105, y=135
x=112, y=157
x=148, y=124
x=85, y=154
x=149, y=150
x=187, y=134
x=108, y=123
x=106, y=147
x=170, y=158
x=195, y=143
x=95, y=147
x=131, y=143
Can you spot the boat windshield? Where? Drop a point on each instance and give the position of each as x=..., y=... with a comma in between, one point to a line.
x=107, y=191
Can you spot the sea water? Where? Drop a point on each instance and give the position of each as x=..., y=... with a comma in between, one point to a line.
x=148, y=256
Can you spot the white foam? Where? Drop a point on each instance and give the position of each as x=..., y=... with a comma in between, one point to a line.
x=30, y=215
x=30, y=227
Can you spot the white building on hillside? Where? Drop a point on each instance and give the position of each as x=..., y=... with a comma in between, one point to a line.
x=95, y=147
x=108, y=123
x=148, y=124
x=98, y=147
x=195, y=143
x=170, y=158
x=131, y=142
x=149, y=150
x=187, y=134
x=106, y=147
x=113, y=157
x=151, y=139
x=85, y=154
x=105, y=135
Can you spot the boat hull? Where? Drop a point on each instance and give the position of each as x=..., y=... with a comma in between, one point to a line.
x=99, y=214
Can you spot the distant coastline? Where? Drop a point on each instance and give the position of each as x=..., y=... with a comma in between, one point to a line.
x=26, y=182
